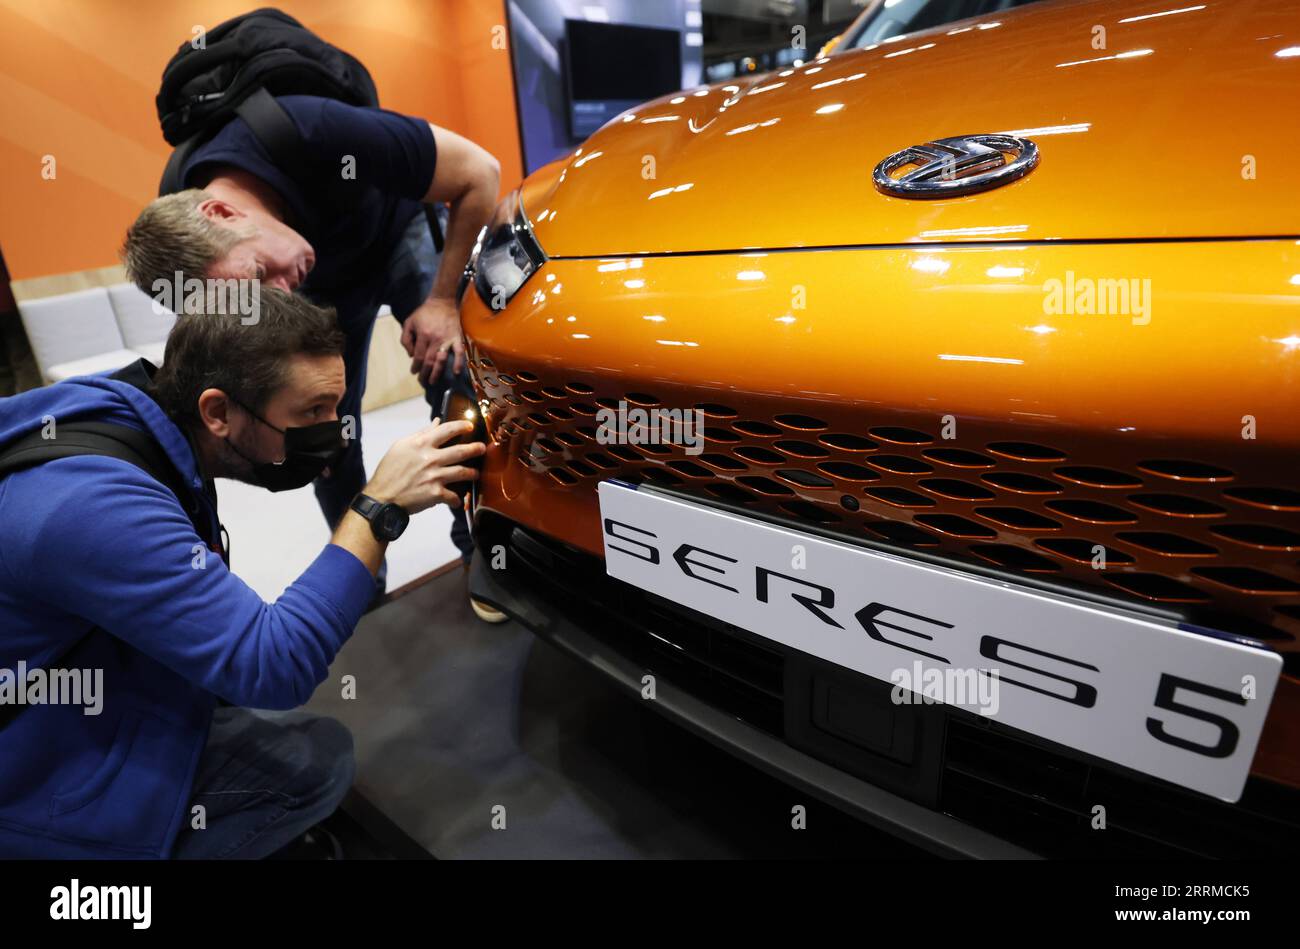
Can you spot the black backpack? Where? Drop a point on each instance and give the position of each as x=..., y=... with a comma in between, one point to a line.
x=244, y=64
x=266, y=49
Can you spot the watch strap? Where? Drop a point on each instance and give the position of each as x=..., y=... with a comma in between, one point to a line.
x=366, y=506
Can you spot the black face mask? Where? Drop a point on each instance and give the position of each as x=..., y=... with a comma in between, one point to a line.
x=308, y=451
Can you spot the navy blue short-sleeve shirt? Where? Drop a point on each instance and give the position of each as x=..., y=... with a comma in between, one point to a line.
x=364, y=175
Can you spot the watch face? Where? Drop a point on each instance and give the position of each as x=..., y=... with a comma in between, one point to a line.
x=392, y=521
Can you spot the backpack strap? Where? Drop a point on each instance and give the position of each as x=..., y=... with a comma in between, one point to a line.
x=171, y=181
x=272, y=126
x=268, y=122
x=101, y=438
x=435, y=226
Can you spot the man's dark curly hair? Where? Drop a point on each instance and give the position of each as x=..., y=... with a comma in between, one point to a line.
x=212, y=348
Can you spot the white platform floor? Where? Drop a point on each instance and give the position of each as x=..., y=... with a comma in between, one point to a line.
x=273, y=537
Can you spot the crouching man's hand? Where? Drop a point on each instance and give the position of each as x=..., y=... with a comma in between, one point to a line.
x=417, y=469
x=414, y=474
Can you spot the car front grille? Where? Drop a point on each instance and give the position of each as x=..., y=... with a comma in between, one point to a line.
x=1035, y=793
x=1177, y=523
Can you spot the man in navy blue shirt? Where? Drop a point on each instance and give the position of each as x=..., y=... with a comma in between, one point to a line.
x=347, y=228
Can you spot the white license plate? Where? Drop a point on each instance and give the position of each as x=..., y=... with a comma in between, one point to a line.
x=1186, y=706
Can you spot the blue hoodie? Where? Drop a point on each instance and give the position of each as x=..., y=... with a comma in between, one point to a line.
x=99, y=558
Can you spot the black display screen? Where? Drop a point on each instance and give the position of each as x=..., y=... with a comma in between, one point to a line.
x=612, y=67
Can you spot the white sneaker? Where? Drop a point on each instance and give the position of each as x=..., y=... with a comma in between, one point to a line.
x=488, y=614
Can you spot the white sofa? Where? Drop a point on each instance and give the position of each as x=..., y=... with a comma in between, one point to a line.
x=144, y=326
x=95, y=330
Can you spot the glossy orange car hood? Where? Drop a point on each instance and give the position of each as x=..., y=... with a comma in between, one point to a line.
x=1139, y=139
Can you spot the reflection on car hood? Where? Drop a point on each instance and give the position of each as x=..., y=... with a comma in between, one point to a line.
x=1153, y=120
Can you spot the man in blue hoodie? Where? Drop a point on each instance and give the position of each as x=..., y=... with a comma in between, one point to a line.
x=106, y=570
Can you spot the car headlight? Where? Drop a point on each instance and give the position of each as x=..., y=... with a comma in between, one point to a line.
x=505, y=255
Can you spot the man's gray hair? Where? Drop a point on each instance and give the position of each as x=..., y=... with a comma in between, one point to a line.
x=172, y=236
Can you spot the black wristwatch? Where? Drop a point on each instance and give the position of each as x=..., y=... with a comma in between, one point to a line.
x=387, y=521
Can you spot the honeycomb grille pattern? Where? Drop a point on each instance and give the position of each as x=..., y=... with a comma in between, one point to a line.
x=1221, y=541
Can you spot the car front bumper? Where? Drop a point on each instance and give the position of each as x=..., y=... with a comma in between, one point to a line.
x=950, y=782
x=511, y=591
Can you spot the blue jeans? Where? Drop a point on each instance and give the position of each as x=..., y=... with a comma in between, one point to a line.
x=404, y=285
x=263, y=781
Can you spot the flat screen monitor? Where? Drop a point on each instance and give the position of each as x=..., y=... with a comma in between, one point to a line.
x=610, y=67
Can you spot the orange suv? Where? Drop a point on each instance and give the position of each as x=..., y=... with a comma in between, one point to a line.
x=921, y=424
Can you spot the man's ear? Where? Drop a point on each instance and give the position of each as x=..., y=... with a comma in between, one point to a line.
x=220, y=212
x=214, y=412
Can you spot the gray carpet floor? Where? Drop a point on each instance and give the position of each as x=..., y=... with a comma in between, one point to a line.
x=461, y=727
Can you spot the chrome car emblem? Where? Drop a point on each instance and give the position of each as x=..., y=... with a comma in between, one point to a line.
x=954, y=166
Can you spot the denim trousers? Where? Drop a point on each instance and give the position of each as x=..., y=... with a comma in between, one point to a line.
x=263, y=779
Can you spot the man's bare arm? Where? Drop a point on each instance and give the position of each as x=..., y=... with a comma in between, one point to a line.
x=468, y=179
